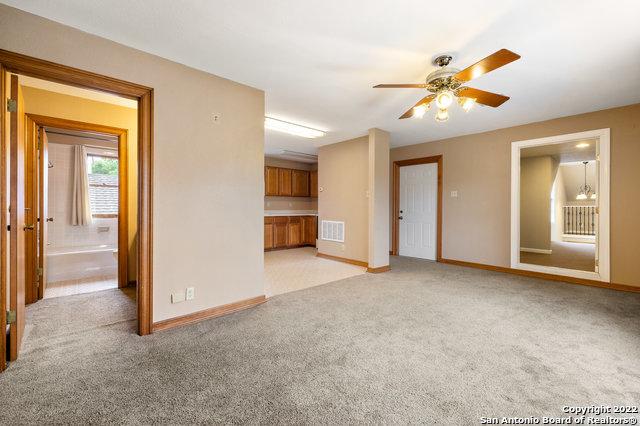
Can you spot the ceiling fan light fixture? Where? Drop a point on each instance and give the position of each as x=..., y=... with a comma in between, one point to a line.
x=467, y=103
x=442, y=115
x=444, y=99
x=420, y=110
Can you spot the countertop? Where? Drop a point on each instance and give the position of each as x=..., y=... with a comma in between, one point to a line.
x=290, y=213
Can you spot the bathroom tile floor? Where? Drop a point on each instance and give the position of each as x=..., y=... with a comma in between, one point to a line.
x=85, y=285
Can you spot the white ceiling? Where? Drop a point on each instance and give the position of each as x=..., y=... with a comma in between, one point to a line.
x=317, y=60
x=567, y=152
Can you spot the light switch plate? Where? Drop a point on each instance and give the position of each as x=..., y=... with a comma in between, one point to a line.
x=191, y=293
x=177, y=297
x=454, y=194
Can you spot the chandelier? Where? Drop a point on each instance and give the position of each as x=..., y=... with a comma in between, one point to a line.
x=585, y=191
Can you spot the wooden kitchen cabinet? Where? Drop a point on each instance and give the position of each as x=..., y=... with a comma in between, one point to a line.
x=300, y=183
x=271, y=180
x=268, y=233
x=313, y=183
x=280, y=225
x=309, y=230
x=289, y=231
x=284, y=182
x=294, y=231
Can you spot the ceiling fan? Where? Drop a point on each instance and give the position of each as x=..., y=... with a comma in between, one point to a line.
x=446, y=83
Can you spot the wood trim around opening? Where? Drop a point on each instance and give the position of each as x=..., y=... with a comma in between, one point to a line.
x=33, y=67
x=123, y=176
x=396, y=201
x=4, y=192
x=544, y=276
x=218, y=311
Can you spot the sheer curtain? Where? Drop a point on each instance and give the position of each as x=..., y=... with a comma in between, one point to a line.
x=80, y=208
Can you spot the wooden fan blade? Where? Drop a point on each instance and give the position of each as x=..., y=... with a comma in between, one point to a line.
x=400, y=86
x=423, y=101
x=500, y=58
x=482, y=97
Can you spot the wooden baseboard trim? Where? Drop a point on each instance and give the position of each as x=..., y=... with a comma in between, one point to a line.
x=218, y=311
x=379, y=269
x=542, y=275
x=343, y=259
x=288, y=247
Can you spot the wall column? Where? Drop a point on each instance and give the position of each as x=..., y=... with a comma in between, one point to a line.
x=378, y=200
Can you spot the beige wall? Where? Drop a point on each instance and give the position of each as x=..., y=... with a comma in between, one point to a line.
x=44, y=102
x=536, y=179
x=378, y=198
x=343, y=182
x=560, y=200
x=290, y=203
x=476, y=225
x=208, y=177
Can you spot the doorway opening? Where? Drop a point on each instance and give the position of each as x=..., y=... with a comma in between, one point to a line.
x=417, y=208
x=85, y=174
x=560, y=205
x=118, y=247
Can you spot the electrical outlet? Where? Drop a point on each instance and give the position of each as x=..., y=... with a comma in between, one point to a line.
x=177, y=297
x=216, y=118
x=191, y=293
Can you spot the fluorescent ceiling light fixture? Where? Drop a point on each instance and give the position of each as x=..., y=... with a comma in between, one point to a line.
x=292, y=128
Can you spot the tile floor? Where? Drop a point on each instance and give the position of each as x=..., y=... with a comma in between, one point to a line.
x=86, y=285
x=296, y=269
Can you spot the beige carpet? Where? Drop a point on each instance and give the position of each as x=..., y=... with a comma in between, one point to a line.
x=578, y=256
x=426, y=343
x=297, y=269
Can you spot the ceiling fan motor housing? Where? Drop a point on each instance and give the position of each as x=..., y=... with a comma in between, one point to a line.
x=441, y=79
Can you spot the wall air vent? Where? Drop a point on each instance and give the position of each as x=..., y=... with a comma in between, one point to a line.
x=332, y=231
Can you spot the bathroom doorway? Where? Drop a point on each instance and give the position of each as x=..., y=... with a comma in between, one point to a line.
x=82, y=245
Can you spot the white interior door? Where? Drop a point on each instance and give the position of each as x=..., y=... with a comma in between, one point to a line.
x=418, y=210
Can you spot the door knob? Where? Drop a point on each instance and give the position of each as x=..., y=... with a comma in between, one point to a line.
x=400, y=217
x=29, y=227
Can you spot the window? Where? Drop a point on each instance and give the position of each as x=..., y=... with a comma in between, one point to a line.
x=103, y=185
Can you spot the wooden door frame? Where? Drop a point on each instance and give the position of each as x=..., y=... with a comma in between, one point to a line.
x=21, y=64
x=123, y=180
x=395, y=229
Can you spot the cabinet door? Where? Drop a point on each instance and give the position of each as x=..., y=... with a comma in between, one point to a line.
x=271, y=181
x=310, y=230
x=284, y=182
x=313, y=183
x=294, y=232
x=300, y=184
x=268, y=234
x=280, y=231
